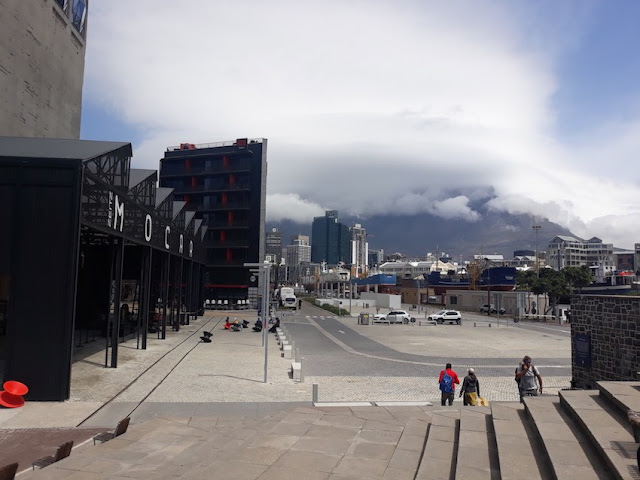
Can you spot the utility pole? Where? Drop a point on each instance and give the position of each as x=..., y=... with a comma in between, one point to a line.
x=488, y=288
x=537, y=229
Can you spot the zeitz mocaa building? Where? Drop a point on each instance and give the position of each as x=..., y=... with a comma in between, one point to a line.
x=42, y=51
x=91, y=250
x=225, y=183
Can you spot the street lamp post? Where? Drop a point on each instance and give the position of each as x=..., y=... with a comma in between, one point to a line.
x=264, y=271
x=537, y=229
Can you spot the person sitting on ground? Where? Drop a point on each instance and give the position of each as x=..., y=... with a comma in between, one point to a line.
x=257, y=327
x=236, y=326
x=470, y=388
x=274, y=326
x=227, y=325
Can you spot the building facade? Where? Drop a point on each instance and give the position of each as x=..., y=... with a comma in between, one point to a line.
x=42, y=50
x=566, y=251
x=273, y=246
x=298, y=252
x=330, y=240
x=359, y=250
x=91, y=249
x=375, y=258
x=226, y=184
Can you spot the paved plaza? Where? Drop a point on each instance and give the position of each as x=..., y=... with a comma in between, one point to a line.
x=180, y=377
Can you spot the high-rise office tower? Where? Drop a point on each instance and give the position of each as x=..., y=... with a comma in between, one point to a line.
x=42, y=48
x=299, y=251
x=359, y=250
x=273, y=247
x=330, y=240
x=226, y=184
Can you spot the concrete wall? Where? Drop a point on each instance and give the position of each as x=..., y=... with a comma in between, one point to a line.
x=612, y=323
x=41, y=70
x=514, y=302
x=382, y=300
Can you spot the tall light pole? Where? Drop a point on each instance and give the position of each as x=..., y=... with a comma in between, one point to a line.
x=264, y=274
x=537, y=229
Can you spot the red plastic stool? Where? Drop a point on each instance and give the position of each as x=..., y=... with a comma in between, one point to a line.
x=11, y=396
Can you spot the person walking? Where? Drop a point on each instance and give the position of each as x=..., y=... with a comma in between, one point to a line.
x=447, y=380
x=526, y=376
x=470, y=389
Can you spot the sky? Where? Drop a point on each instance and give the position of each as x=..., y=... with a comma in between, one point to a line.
x=388, y=107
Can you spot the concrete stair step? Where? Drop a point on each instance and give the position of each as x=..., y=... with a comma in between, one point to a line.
x=518, y=457
x=477, y=455
x=569, y=453
x=185, y=442
x=623, y=395
x=605, y=427
x=439, y=457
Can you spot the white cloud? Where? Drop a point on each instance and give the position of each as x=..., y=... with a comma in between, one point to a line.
x=455, y=208
x=290, y=206
x=377, y=107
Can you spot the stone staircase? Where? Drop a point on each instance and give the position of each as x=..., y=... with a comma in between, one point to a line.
x=579, y=434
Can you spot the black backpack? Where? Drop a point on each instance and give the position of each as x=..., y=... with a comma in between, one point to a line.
x=516, y=376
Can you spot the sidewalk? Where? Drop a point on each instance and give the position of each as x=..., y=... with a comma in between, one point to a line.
x=184, y=381
x=217, y=374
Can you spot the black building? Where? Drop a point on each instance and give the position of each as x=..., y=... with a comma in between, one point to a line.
x=330, y=240
x=90, y=250
x=225, y=183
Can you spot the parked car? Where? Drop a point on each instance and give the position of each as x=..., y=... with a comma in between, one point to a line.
x=485, y=308
x=394, y=316
x=452, y=316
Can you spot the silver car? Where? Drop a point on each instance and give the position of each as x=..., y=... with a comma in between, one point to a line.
x=394, y=316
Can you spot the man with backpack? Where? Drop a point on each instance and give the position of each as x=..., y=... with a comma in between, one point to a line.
x=526, y=375
x=447, y=380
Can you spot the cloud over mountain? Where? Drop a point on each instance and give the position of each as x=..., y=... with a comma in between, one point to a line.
x=377, y=108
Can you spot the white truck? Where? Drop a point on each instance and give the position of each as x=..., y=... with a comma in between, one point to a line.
x=286, y=298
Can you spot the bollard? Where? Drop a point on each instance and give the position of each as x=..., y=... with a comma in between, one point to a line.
x=314, y=396
x=489, y=325
x=474, y=324
x=301, y=373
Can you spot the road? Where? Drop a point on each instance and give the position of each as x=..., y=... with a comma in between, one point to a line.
x=334, y=346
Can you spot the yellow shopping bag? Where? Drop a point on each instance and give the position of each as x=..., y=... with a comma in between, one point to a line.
x=471, y=398
x=482, y=402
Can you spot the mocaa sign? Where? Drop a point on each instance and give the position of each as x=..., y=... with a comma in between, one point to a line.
x=142, y=226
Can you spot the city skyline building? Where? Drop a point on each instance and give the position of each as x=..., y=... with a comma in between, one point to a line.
x=273, y=245
x=359, y=250
x=298, y=252
x=298, y=257
x=42, y=57
x=225, y=183
x=375, y=258
x=330, y=240
x=567, y=251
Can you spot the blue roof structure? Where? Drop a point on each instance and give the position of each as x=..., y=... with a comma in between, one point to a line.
x=379, y=279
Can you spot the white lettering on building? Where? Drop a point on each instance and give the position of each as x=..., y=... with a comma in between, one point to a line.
x=148, y=228
x=118, y=213
x=167, y=231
